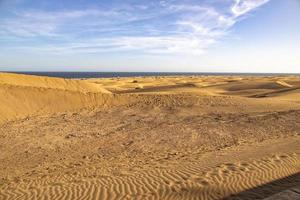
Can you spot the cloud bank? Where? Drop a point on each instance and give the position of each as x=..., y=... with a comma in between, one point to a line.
x=148, y=27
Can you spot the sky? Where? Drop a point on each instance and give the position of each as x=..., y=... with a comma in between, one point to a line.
x=150, y=35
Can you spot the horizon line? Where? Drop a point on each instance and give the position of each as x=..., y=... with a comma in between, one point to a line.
x=167, y=72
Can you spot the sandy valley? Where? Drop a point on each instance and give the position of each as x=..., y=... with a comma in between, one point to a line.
x=184, y=137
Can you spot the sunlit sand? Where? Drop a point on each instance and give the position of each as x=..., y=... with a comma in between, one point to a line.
x=185, y=137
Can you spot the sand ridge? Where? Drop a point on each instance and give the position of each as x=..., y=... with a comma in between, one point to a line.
x=49, y=83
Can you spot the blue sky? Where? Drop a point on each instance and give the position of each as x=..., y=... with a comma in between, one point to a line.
x=150, y=35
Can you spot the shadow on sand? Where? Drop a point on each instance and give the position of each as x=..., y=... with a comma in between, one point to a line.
x=268, y=189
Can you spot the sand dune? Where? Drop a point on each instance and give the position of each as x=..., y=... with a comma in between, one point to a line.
x=197, y=137
x=20, y=102
x=277, y=92
x=283, y=83
x=168, y=88
x=25, y=95
x=245, y=86
x=49, y=83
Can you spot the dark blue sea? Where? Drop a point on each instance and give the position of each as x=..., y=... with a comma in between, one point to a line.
x=135, y=74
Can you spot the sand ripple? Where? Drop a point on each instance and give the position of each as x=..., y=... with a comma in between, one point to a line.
x=187, y=183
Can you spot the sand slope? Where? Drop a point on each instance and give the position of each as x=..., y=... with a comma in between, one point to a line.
x=49, y=83
x=25, y=95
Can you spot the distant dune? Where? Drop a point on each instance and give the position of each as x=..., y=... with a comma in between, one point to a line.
x=181, y=137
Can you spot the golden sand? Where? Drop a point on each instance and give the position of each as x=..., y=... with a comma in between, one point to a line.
x=185, y=137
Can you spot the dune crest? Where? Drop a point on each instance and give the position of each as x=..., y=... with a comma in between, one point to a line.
x=26, y=95
x=49, y=83
x=283, y=83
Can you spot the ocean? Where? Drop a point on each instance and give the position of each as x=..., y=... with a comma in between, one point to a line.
x=79, y=75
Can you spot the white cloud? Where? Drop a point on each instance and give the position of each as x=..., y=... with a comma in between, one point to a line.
x=241, y=7
x=67, y=14
x=166, y=28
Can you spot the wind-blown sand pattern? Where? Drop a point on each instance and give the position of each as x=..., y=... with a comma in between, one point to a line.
x=198, y=137
x=187, y=183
